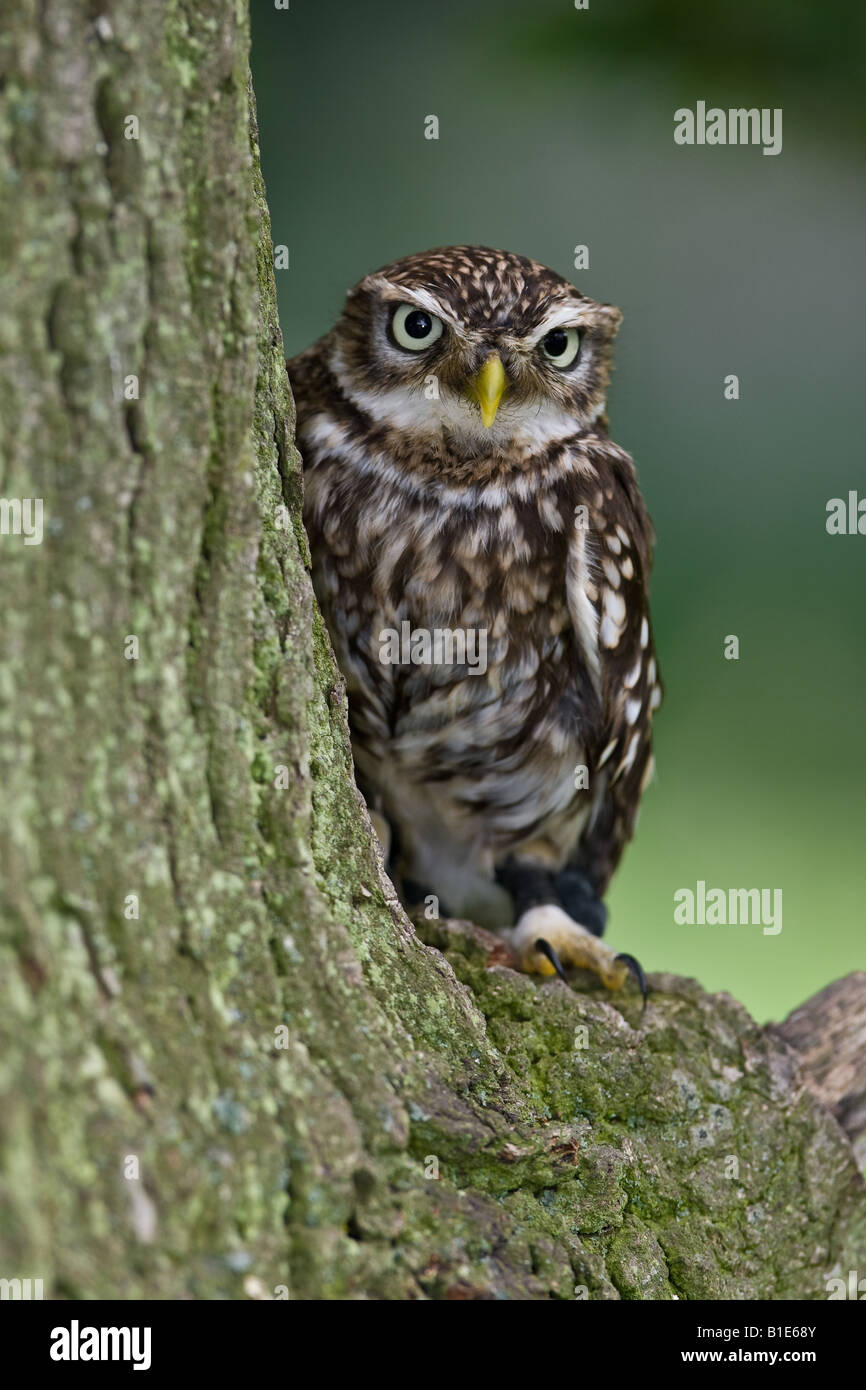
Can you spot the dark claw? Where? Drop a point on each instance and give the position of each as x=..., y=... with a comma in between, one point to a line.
x=637, y=971
x=547, y=950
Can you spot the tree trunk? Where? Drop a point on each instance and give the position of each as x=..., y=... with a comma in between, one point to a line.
x=229, y=1066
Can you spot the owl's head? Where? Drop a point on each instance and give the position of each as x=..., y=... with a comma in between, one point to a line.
x=484, y=348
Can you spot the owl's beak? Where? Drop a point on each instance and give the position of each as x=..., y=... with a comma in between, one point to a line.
x=487, y=386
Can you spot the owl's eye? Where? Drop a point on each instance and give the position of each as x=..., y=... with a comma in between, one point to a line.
x=414, y=329
x=561, y=346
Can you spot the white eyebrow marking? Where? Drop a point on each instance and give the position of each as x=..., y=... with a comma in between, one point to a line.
x=568, y=315
x=405, y=294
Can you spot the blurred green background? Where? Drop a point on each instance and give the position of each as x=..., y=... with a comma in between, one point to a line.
x=556, y=129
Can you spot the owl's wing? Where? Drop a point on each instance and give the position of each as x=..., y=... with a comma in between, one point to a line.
x=608, y=592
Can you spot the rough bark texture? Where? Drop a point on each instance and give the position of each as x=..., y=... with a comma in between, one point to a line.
x=829, y=1032
x=269, y=1037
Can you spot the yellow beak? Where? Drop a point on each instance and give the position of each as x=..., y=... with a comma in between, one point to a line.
x=487, y=386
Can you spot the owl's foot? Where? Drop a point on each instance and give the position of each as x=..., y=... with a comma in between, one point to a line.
x=547, y=941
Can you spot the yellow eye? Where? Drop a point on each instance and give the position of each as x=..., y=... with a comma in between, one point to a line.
x=414, y=329
x=561, y=346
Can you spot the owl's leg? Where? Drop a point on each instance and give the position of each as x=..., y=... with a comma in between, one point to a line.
x=547, y=939
x=576, y=894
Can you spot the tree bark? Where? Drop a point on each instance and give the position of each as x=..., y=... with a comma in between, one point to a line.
x=829, y=1032
x=229, y=1066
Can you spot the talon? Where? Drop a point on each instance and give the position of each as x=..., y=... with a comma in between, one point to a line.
x=636, y=970
x=547, y=941
x=545, y=948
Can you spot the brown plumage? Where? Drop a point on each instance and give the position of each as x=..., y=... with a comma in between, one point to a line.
x=526, y=525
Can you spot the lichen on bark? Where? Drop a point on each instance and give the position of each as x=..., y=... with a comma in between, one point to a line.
x=168, y=906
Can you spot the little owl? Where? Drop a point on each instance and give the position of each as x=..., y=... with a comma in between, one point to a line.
x=481, y=554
